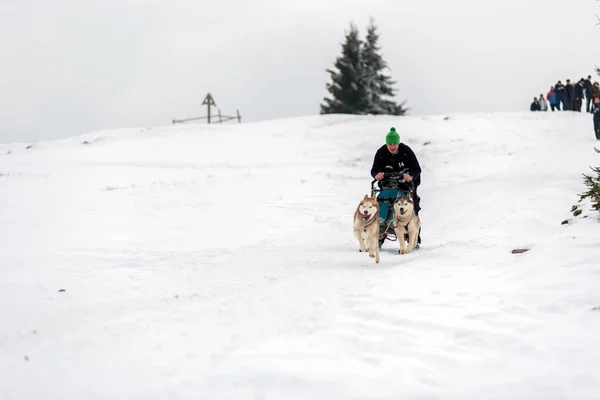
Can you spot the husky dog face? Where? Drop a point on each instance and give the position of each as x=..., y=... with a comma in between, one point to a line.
x=404, y=203
x=367, y=209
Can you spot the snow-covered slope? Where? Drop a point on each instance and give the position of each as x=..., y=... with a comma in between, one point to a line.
x=218, y=262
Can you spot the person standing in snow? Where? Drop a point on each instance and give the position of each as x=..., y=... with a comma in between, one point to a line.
x=551, y=96
x=596, y=90
x=535, y=106
x=596, y=114
x=561, y=95
x=394, y=156
x=589, y=93
x=569, y=96
x=543, y=103
x=578, y=91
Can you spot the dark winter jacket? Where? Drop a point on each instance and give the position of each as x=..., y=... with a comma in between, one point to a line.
x=569, y=91
x=535, y=106
x=561, y=94
x=589, y=88
x=596, y=91
x=578, y=91
x=596, y=112
x=385, y=161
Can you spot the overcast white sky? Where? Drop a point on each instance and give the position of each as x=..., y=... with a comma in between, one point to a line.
x=74, y=66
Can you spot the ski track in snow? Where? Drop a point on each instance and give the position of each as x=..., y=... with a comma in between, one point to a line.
x=197, y=267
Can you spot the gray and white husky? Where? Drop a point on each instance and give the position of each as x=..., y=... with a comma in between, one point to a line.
x=405, y=220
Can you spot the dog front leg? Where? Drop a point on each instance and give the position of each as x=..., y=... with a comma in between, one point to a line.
x=400, y=237
x=361, y=240
x=374, y=247
x=413, y=235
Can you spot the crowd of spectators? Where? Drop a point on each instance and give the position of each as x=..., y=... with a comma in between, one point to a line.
x=568, y=97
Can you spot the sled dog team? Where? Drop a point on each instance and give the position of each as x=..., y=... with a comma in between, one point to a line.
x=392, y=157
x=405, y=220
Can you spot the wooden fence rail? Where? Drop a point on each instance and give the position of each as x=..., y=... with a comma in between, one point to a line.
x=208, y=101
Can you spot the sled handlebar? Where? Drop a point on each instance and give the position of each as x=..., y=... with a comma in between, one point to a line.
x=394, y=177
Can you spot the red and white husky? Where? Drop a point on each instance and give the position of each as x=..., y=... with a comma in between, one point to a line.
x=366, y=226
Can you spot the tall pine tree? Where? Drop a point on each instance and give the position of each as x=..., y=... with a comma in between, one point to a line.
x=359, y=86
x=379, y=86
x=348, y=94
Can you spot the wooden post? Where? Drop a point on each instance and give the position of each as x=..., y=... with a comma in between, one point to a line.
x=208, y=100
x=239, y=117
x=220, y=118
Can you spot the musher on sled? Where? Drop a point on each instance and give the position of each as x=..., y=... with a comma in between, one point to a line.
x=395, y=162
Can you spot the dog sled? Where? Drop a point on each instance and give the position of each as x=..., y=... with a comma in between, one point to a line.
x=395, y=186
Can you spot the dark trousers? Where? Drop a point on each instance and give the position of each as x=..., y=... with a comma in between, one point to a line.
x=577, y=103
x=588, y=102
x=562, y=101
x=597, y=128
x=569, y=106
x=553, y=106
x=417, y=201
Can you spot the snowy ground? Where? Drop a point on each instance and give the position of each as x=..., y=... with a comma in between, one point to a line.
x=195, y=262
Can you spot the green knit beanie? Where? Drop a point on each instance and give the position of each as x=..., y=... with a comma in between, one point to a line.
x=392, y=137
